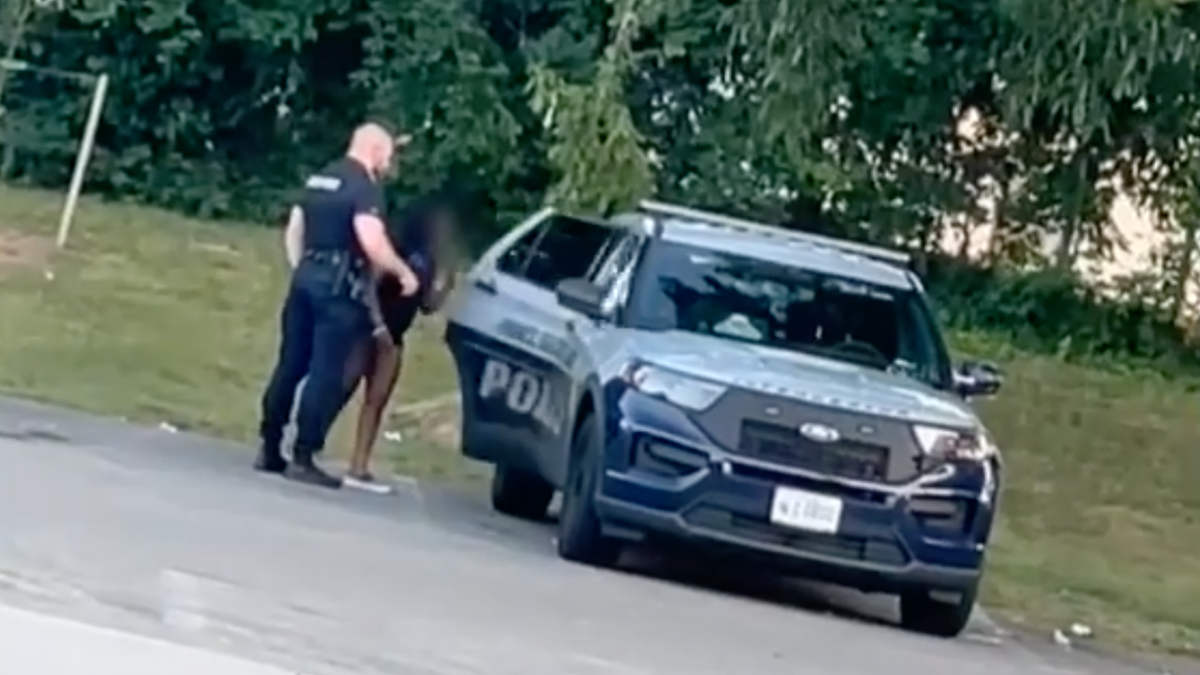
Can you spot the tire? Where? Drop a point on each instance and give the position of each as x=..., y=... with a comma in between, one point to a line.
x=922, y=613
x=580, y=538
x=520, y=494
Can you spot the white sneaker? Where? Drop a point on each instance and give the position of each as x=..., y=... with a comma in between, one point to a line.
x=366, y=483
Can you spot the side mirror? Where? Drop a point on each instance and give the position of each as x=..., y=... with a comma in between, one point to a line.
x=974, y=379
x=581, y=296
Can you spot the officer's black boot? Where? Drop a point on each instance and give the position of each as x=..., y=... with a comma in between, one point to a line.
x=304, y=470
x=270, y=459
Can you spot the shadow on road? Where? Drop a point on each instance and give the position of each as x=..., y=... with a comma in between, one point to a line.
x=467, y=512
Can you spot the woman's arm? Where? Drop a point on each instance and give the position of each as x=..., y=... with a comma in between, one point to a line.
x=374, y=308
x=445, y=265
x=293, y=237
x=435, y=298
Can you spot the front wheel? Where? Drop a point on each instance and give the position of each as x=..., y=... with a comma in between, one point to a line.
x=520, y=494
x=580, y=538
x=920, y=611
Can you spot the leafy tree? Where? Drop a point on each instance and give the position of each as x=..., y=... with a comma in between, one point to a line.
x=595, y=149
x=898, y=122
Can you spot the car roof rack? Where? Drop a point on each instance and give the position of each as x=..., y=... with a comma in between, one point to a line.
x=878, y=253
x=640, y=221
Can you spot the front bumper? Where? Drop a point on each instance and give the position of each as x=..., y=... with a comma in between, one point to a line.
x=665, y=478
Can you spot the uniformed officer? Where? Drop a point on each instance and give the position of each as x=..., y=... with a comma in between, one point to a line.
x=334, y=233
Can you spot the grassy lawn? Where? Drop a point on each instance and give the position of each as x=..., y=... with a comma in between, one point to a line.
x=156, y=318
x=153, y=317
x=1101, y=511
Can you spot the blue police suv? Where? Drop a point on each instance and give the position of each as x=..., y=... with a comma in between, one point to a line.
x=683, y=376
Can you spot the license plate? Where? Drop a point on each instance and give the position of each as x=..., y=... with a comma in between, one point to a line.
x=806, y=510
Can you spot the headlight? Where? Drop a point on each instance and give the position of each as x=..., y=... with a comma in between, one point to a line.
x=681, y=390
x=954, y=444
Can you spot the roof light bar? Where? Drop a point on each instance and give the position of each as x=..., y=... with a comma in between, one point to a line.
x=686, y=213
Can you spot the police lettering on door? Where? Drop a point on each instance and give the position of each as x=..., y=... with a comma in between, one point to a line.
x=522, y=392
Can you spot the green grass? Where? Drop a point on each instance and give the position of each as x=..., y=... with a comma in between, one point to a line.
x=154, y=317
x=1101, y=506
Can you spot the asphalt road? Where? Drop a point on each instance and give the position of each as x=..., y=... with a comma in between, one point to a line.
x=111, y=534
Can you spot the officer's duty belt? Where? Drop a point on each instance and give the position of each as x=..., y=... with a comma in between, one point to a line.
x=335, y=257
x=350, y=277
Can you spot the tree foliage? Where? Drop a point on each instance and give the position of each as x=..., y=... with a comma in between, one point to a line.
x=1014, y=122
x=592, y=132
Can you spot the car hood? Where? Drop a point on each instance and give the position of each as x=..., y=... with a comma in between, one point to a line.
x=803, y=377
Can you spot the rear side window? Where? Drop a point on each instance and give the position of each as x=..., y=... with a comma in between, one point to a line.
x=513, y=260
x=562, y=248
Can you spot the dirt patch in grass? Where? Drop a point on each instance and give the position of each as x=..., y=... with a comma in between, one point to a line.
x=438, y=422
x=429, y=444
x=19, y=251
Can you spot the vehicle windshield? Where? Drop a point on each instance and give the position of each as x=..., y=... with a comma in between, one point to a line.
x=699, y=290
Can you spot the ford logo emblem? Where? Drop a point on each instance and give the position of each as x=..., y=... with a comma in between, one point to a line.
x=819, y=432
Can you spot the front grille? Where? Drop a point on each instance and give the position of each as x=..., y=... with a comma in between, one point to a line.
x=784, y=445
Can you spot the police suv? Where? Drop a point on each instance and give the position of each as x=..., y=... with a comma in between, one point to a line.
x=688, y=377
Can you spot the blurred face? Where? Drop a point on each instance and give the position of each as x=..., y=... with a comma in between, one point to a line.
x=443, y=231
x=383, y=155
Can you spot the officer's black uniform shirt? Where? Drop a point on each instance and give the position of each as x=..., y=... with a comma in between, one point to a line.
x=332, y=198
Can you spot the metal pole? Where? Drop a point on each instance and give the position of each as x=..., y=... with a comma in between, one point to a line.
x=15, y=36
x=81, y=160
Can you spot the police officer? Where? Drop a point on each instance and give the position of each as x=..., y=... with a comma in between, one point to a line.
x=334, y=234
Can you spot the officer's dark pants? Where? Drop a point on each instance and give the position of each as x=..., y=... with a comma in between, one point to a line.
x=322, y=328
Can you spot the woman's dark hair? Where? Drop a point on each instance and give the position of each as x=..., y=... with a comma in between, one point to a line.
x=418, y=220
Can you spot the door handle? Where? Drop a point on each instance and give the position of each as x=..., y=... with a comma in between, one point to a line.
x=485, y=285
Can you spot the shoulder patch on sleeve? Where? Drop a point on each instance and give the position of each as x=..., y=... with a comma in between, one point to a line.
x=323, y=183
